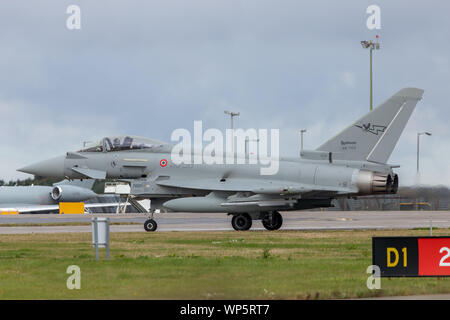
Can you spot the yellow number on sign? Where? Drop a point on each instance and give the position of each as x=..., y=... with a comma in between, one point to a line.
x=393, y=263
x=405, y=259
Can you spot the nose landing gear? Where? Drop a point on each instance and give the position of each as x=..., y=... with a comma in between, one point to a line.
x=150, y=225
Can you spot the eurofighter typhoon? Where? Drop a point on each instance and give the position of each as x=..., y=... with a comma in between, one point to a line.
x=353, y=163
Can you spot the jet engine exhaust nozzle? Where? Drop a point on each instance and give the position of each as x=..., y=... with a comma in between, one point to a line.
x=370, y=182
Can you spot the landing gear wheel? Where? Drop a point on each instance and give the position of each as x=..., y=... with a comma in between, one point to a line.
x=150, y=225
x=272, y=221
x=241, y=222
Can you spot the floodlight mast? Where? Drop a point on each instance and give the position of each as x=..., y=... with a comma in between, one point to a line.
x=371, y=46
x=232, y=115
x=418, y=140
x=302, y=131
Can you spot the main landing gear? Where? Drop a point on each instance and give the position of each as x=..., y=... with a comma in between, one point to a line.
x=271, y=220
x=241, y=222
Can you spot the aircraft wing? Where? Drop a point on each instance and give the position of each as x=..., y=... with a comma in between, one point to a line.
x=24, y=208
x=83, y=183
x=258, y=186
x=90, y=173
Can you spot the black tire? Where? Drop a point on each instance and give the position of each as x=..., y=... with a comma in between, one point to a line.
x=273, y=224
x=241, y=222
x=150, y=225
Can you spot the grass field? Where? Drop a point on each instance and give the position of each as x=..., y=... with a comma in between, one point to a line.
x=203, y=265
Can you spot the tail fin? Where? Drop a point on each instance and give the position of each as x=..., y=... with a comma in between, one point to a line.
x=374, y=136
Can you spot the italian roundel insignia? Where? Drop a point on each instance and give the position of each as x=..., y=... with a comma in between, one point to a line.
x=163, y=163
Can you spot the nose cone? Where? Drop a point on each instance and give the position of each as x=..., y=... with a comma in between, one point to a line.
x=51, y=168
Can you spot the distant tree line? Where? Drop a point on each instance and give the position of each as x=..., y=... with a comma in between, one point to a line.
x=28, y=182
x=425, y=192
x=407, y=198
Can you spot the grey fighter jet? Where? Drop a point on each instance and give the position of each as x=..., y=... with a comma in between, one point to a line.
x=35, y=199
x=352, y=163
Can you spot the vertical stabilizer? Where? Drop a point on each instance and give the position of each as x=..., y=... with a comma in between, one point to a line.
x=374, y=136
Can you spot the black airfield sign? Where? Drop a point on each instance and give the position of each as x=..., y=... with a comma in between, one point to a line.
x=411, y=256
x=396, y=256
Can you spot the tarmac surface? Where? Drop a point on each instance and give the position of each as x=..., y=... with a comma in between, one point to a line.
x=293, y=220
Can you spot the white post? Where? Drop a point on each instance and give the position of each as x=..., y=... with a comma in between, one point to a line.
x=100, y=235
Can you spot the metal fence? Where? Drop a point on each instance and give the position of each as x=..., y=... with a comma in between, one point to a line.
x=393, y=203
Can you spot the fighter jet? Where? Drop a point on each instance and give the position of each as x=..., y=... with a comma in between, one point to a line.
x=351, y=164
x=35, y=199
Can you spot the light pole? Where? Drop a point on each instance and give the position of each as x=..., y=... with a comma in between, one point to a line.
x=232, y=115
x=371, y=46
x=418, y=176
x=247, y=140
x=418, y=140
x=302, y=131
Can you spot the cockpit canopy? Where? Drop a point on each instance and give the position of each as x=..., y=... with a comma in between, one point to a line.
x=120, y=143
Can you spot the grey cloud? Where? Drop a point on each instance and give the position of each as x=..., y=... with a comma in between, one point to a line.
x=148, y=67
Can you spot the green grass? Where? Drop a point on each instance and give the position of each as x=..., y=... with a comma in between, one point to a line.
x=203, y=265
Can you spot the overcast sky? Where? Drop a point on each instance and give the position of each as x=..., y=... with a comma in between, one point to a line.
x=149, y=67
